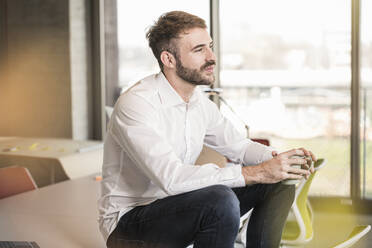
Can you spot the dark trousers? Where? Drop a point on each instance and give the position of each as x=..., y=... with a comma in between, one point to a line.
x=208, y=218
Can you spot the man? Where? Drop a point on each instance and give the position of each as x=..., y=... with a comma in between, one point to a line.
x=152, y=193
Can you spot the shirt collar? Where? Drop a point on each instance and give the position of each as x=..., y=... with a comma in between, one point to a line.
x=169, y=96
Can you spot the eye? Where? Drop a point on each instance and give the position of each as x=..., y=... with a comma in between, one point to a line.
x=199, y=50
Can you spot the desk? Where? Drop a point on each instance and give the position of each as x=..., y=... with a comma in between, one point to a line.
x=52, y=160
x=59, y=216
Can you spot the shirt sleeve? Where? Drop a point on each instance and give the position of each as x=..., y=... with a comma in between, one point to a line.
x=133, y=126
x=224, y=138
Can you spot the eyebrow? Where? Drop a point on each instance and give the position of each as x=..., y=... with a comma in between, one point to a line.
x=201, y=45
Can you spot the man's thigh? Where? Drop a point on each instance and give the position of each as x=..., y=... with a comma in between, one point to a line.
x=170, y=222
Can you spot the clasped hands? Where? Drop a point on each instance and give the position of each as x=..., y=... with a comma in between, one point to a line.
x=279, y=167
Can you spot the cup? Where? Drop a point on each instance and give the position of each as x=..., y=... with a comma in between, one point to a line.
x=298, y=166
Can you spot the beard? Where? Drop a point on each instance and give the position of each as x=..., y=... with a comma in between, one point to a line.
x=194, y=76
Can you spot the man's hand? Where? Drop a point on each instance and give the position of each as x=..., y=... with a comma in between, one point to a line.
x=279, y=168
x=313, y=158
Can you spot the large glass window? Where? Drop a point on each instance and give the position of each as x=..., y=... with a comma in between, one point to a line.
x=285, y=69
x=135, y=57
x=366, y=99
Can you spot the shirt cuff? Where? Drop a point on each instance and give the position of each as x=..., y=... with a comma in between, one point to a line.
x=267, y=155
x=257, y=153
x=233, y=176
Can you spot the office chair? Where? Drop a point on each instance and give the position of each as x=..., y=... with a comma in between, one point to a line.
x=299, y=229
x=15, y=180
x=357, y=233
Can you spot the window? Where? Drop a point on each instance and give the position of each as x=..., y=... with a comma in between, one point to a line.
x=287, y=74
x=366, y=100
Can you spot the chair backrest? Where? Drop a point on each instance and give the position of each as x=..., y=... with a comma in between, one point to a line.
x=357, y=233
x=319, y=163
x=15, y=180
x=301, y=202
x=301, y=199
x=300, y=230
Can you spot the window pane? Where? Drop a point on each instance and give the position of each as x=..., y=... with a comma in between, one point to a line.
x=286, y=71
x=135, y=57
x=366, y=98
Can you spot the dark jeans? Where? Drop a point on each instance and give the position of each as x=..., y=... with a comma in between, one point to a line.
x=208, y=218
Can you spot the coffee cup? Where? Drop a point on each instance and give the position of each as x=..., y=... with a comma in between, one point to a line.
x=297, y=166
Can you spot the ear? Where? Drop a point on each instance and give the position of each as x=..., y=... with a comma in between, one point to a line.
x=168, y=59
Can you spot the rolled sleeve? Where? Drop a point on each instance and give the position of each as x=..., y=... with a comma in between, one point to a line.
x=223, y=137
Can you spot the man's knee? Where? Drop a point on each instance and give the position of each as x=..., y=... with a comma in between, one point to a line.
x=223, y=201
x=288, y=190
x=285, y=192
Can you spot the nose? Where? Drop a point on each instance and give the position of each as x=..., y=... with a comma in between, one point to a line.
x=210, y=55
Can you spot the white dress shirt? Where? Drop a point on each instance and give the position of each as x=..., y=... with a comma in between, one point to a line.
x=152, y=142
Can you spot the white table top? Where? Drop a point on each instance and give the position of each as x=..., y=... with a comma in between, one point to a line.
x=60, y=215
x=45, y=147
x=77, y=158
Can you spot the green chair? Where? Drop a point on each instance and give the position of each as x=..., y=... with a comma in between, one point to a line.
x=298, y=230
x=357, y=233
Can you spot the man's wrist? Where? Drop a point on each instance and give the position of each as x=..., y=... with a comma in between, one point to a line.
x=251, y=174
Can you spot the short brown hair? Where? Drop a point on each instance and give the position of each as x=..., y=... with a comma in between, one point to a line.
x=169, y=26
